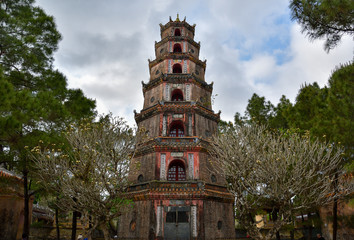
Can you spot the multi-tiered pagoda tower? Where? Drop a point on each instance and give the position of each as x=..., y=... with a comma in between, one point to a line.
x=176, y=193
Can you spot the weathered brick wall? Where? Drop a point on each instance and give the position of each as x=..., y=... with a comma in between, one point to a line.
x=197, y=69
x=214, y=213
x=204, y=127
x=139, y=219
x=151, y=125
x=207, y=170
x=143, y=165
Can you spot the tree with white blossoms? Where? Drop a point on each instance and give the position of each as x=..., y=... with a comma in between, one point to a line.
x=89, y=176
x=283, y=172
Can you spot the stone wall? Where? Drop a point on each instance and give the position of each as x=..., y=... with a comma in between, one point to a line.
x=345, y=221
x=218, y=220
x=139, y=219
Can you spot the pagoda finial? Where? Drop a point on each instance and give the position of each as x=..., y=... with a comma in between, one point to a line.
x=177, y=19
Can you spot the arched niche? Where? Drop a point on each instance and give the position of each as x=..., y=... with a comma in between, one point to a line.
x=177, y=68
x=177, y=48
x=176, y=129
x=177, y=95
x=177, y=32
x=176, y=171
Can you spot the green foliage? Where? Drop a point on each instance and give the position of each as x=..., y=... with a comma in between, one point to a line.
x=310, y=111
x=35, y=103
x=341, y=105
x=330, y=19
x=259, y=110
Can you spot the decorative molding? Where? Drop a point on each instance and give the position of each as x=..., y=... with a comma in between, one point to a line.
x=188, y=92
x=163, y=166
x=190, y=126
x=191, y=165
x=170, y=66
x=164, y=126
x=167, y=92
x=194, y=221
x=159, y=222
x=176, y=154
x=177, y=116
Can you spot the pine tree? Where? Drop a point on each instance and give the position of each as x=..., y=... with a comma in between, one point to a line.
x=36, y=103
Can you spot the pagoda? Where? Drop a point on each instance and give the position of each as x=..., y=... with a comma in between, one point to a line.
x=175, y=192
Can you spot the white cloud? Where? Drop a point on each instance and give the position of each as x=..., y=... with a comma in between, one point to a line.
x=250, y=46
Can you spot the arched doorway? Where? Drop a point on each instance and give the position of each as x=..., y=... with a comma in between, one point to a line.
x=177, y=68
x=176, y=171
x=177, y=32
x=177, y=95
x=176, y=129
x=177, y=48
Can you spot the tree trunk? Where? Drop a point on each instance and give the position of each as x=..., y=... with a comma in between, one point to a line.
x=275, y=218
x=26, y=202
x=292, y=235
x=74, y=223
x=105, y=231
x=335, y=209
x=335, y=218
x=57, y=223
x=292, y=231
x=309, y=226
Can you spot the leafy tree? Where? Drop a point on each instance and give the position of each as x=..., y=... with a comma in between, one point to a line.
x=330, y=19
x=341, y=104
x=279, y=120
x=310, y=111
x=36, y=103
x=258, y=110
x=283, y=171
x=91, y=175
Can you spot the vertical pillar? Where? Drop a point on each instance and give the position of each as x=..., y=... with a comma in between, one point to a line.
x=167, y=92
x=194, y=221
x=159, y=221
x=191, y=165
x=188, y=92
x=163, y=166
x=164, y=126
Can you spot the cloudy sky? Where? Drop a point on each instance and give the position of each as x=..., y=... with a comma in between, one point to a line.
x=250, y=47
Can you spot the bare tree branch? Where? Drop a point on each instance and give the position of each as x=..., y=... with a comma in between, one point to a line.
x=283, y=172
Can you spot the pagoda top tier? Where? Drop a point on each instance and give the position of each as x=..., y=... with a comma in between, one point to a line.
x=177, y=28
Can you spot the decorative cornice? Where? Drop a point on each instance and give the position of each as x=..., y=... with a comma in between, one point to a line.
x=176, y=107
x=198, y=190
x=176, y=56
x=177, y=24
x=176, y=78
x=177, y=38
x=176, y=144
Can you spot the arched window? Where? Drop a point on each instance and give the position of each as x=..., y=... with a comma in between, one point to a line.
x=176, y=171
x=176, y=129
x=177, y=95
x=177, y=48
x=177, y=32
x=177, y=68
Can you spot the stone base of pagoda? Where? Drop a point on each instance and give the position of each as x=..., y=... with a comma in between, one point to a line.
x=178, y=210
